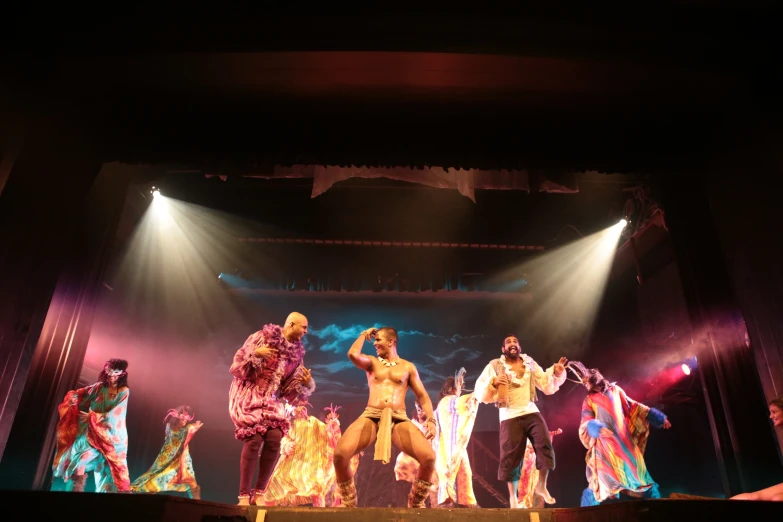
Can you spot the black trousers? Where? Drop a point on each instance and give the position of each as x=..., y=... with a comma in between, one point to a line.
x=514, y=434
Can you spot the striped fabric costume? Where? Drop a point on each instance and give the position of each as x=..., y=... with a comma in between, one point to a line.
x=261, y=387
x=455, y=416
x=615, y=463
x=264, y=384
x=305, y=471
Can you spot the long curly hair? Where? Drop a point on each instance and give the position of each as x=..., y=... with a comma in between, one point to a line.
x=115, y=364
x=449, y=388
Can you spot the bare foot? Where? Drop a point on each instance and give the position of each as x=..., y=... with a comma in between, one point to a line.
x=543, y=493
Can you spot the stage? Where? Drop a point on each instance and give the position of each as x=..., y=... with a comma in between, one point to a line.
x=85, y=507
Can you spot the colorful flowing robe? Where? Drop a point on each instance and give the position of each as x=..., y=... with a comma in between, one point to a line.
x=305, y=472
x=99, y=442
x=455, y=417
x=616, y=464
x=173, y=468
x=529, y=478
x=262, y=386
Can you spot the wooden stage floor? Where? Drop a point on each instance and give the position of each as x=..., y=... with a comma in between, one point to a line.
x=55, y=506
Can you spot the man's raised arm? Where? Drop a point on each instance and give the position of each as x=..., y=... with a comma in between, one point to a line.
x=355, y=354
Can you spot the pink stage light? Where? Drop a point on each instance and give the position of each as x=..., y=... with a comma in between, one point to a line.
x=686, y=369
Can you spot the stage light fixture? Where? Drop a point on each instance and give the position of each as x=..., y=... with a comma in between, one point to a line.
x=686, y=369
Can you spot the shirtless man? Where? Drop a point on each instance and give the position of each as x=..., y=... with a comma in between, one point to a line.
x=384, y=419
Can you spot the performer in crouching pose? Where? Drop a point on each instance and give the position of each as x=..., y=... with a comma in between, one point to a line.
x=384, y=419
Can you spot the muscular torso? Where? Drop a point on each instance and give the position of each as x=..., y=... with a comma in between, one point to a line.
x=388, y=384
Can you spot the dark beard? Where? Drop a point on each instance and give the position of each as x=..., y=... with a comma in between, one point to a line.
x=511, y=356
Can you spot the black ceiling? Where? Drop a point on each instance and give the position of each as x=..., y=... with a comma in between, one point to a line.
x=606, y=89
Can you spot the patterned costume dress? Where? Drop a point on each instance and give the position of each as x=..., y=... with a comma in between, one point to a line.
x=262, y=386
x=99, y=442
x=455, y=417
x=173, y=468
x=616, y=464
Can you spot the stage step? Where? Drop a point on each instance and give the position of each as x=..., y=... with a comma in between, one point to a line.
x=35, y=506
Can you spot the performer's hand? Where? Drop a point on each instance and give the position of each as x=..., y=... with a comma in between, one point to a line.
x=305, y=378
x=369, y=333
x=560, y=366
x=558, y=431
x=84, y=415
x=430, y=433
x=196, y=426
x=606, y=432
x=500, y=379
x=265, y=351
x=667, y=424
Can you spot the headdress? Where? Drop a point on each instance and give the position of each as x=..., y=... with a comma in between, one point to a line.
x=579, y=370
x=179, y=413
x=332, y=410
x=459, y=378
x=586, y=375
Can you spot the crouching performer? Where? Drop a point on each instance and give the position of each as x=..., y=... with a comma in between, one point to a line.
x=384, y=420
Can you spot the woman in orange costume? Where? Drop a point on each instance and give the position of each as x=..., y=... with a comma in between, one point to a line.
x=91, y=433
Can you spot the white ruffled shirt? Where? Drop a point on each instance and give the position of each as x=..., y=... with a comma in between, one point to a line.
x=519, y=400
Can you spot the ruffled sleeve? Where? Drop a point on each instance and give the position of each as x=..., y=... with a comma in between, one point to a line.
x=68, y=425
x=546, y=380
x=484, y=391
x=247, y=364
x=294, y=391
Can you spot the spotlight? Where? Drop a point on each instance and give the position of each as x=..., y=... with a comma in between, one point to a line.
x=623, y=223
x=686, y=369
x=155, y=193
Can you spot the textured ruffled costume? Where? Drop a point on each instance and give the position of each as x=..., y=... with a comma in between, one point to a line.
x=305, y=471
x=455, y=416
x=262, y=386
x=100, y=441
x=173, y=468
x=616, y=463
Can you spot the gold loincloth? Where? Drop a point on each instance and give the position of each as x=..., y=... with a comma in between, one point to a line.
x=384, y=417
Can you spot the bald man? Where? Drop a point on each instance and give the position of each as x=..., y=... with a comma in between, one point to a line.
x=268, y=372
